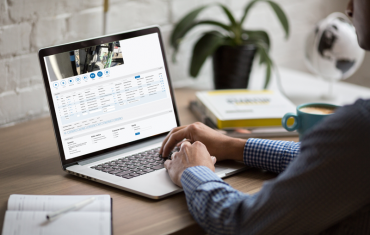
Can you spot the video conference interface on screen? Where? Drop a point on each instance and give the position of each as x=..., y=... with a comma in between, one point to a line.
x=110, y=94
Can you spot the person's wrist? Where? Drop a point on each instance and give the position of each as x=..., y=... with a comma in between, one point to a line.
x=233, y=149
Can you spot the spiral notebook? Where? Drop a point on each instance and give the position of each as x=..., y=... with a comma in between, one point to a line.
x=26, y=214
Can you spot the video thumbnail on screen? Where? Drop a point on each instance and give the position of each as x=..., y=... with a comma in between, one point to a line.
x=85, y=60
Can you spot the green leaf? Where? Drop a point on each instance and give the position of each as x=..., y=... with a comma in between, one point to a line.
x=247, y=8
x=265, y=59
x=281, y=16
x=203, y=22
x=229, y=14
x=205, y=46
x=187, y=23
x=278, y=11
x=215, y=23
x=258, y=36
x=268, y=75
x=183, y=26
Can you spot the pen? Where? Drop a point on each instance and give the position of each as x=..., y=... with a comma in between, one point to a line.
x=76, y=206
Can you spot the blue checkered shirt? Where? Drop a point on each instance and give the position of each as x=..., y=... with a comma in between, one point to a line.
x=323, y=186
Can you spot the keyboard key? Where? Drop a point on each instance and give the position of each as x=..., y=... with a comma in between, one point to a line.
x=131, y=166
x=123, y=173
x=169, y=155
x=108, y=169
x=125, y=168
x=114, y=172
x=157, y=167
x=148, y=170
x=134, y=174
x=116, y=167
x=127, y=176
x=141, y=172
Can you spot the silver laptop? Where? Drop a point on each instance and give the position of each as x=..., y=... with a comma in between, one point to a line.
x=112, y=104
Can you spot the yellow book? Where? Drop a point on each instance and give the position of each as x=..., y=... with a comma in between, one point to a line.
x=244, y=108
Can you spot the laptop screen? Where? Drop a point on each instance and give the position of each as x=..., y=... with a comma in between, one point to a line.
x=110, y=94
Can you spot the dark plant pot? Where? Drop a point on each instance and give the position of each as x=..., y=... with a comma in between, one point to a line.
x=232, y=66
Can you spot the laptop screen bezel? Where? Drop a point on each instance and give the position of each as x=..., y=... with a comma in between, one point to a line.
x=93, y=42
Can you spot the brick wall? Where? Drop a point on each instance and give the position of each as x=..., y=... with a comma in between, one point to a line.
x=26, y=26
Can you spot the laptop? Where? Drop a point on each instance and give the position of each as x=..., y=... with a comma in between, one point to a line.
x=112, y=104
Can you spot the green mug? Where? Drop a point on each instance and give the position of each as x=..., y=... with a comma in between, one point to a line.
x=304, y=121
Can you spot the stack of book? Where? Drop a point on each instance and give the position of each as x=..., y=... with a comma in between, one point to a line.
x=244, y=113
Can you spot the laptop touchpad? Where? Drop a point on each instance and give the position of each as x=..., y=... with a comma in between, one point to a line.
x=219, y=169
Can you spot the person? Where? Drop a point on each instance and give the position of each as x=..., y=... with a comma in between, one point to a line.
x=323, y=186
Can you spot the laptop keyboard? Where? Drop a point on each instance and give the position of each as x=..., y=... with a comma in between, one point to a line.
x=133, y=166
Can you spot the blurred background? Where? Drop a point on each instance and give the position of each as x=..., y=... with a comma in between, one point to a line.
x=28, y=25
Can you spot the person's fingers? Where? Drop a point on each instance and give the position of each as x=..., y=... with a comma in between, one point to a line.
x=173, y=140
x=174, y=155
x=167, y=164
x=214, y=159
x=198, y=144
x=179, y=144
x=184, y=143
x=168, y=136
x=174, y=130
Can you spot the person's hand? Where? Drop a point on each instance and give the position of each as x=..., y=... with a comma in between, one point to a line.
x=195, y=154
x=218, y=145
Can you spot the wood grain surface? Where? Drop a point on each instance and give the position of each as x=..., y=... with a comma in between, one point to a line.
x=29, y=164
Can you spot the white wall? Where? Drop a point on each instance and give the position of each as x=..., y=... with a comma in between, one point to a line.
x=28, y=25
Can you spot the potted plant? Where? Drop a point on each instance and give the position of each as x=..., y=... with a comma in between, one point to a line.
x=233, y=48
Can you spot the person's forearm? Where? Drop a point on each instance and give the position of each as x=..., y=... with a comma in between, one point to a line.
x=213, y=203
x=218, y=214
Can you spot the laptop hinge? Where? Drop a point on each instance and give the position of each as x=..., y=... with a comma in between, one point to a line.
x=121, y=151
x=68, y=165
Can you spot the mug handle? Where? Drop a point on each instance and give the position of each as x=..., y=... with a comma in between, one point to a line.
x=284, y=122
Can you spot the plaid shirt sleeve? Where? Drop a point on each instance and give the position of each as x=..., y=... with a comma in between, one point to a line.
x=213, y=203
x=271, y=155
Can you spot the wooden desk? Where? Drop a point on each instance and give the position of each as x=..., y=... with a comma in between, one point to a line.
x=30, y=165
